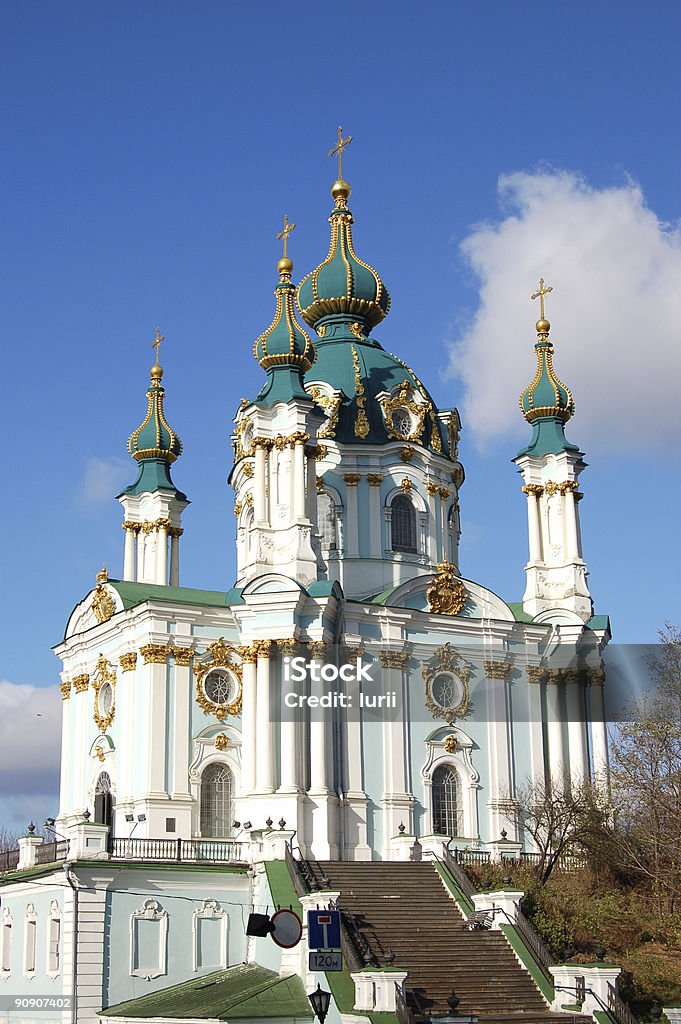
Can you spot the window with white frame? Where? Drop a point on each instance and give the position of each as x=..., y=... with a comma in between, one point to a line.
x=403, y=524
x=217, y=801
x=54, y=940
x=30, y=935
x=6, y=941
x=446, y=796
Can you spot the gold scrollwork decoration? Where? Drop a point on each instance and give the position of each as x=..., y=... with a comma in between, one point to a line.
x=81, y=682
x=65, y=688
x=182, y=655
x=103, y=605
x=446, y=662
x=498, y=669
x=407, y=453
x=331, y=405
x=221, y=741
x=402, y=399
x=128, y=661
x=446, y=595
x=361, y=423
x=155, y=654
x=450, y=744
x=104, y=676
x=221, y=655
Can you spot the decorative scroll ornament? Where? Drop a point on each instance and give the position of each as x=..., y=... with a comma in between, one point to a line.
x=403, y=401
x=446, y=682
x=451, y=744
x=219, y=681
x=128, y=661
x=446, y=594
x=331, y=405
x=103, y=605
x=221, y=741
x=361, y=423
x=104, y=685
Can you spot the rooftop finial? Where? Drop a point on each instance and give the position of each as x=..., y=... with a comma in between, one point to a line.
x=543, y=326
x=285, y=265
x=340, y=190
x=156, y=370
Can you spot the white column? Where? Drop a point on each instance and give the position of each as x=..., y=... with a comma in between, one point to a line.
x=156, y=673
x=290, y=730
x=396, y=799
x=175, y=557
x=129, y=558
x=570, y=520
x=533, y=522
x=351, y=538
x=140, y=555
x=259, y=484
x=181, y=735
x=557, y=764
x=311, y=489
x=162, y=556
x=376, y=549
x=66, y=801
x=248, y=721
x=433, y=514
x=264, y=729
x=501, y=779
x=319, y=752
x=599, y=736
x=299, y=480
x=577, y=746
x=536, y=726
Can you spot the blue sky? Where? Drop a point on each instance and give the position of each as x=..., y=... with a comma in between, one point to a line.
x=149, y=152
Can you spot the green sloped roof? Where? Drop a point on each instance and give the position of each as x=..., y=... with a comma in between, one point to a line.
x=135, y=593
x=246, y=991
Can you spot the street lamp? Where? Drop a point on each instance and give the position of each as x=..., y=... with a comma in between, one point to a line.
x=320, y=1001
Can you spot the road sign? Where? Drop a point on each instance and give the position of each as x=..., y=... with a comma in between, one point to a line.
x=323, y=929
x=288, y=928
x=318, y=960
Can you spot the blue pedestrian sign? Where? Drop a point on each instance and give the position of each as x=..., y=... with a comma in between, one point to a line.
x=323, y=929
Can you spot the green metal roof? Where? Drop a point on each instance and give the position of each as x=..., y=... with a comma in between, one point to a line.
x=247, y=991
x=135, y=593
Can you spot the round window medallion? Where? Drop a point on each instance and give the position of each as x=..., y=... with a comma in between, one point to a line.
x=447, y=690
x=402, y=422
x=220, y=687
x=105, y=699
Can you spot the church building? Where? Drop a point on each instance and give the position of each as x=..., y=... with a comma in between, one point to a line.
x=352, y=696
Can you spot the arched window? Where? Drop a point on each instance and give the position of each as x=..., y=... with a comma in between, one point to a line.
x=403, y=524
x=326, y=521
x=104, y=801
x=447, y=812
x=217, y=801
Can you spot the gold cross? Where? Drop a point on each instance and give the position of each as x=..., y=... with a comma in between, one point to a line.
x=288, y=228
x=338, y=148
x=543, y=290
x=156, y=344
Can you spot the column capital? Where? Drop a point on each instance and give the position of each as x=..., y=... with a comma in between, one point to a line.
x=248, y=654
x=128, y=661
x=533, y=490
x=498, y=669
x=155, y=654
x=65, y=688
x=319, y=649
x=262, y=648
x=375, y=479
x=182, y=655
x=351, y=479
x=535, y=673
x=288, y=646
x=395, y=659
x=81, y=682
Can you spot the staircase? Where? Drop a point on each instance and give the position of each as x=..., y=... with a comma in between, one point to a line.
x=404, y=907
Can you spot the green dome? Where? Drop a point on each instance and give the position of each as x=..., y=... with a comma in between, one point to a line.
x=284, y=343
x=343, y=284
x=154, y=438
x=546, y=395
x=362, y=371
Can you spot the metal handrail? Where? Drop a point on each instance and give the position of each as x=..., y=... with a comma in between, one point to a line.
x=536, y=945
x=618, y=1008
x=459, y=875
x=404, y=1013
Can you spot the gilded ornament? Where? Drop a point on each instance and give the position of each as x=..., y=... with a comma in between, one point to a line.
x=536, y=490
x=288, y=647
x=221, y=655
x=322, y=451
x=361, y=423
x=104, y=676
x=248, y=499
x=446, y=662
x=221, y=741
x=81, y=683
x=320, y=484
x=65, y=688
x=450, y=744
x=435, y=440
x=248, y=654
x=331, y=405
x=432, y=489
x=247, y=469
x=539, y=294
x=182, y=655
x=535, y=673
x=128, y=661
x=155, y=654
x=551, y=488
x=406, y=484
x=263, y=648
x=403, y=400
x=103, y=605
x=338, y=150
x=375, y=479
x=356, y=329
x=351, y=479
x=596, y=676
x=129, y=525
x=238, y=505
x=99, y=751
x=321, y=331
x=453, y=436
x=407, y=453
x=350, y=654
x=320, y=649
x=445, y=493
x=395, y=659
x=446, y=594
x=498, y=669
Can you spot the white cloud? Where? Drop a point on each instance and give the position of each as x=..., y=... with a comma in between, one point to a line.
x=615, y=311
x=103, y=479
x=30, y=740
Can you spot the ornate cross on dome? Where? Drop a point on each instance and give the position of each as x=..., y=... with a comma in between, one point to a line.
x=338, y=148
x=157, y=344
x=543, y=290
x=288, y=228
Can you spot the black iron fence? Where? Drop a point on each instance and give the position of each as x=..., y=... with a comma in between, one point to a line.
x=50, y=853
x=9, y=860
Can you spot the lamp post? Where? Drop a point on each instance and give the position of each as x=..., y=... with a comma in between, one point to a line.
x=320, y=1001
